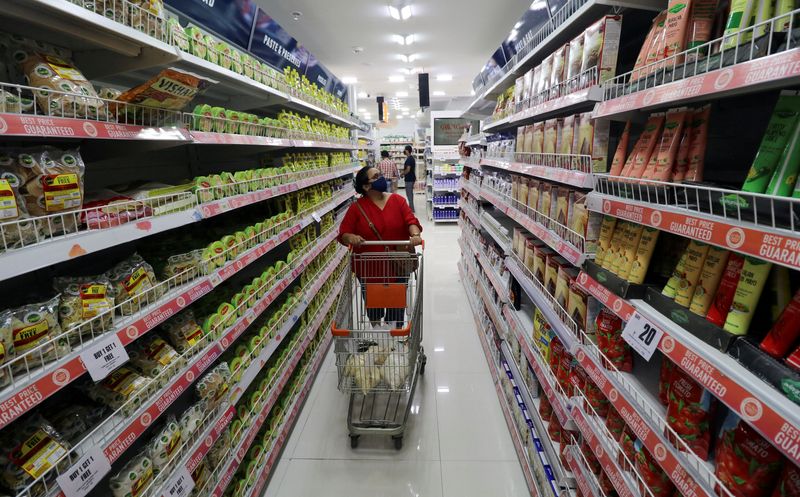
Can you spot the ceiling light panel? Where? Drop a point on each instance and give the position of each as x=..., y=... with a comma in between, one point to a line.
x=444, y=77
x=403, y=58
x=394, y=12
x=395, y=78
x=405, y=12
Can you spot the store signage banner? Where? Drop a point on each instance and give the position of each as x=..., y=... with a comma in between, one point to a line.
x=494, y=65
x=275, y=46
x=340, y=90
x=318, y=74
x=230, y=19
x=526, y=28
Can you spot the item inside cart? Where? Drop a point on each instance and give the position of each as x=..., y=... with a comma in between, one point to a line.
x=378, y=339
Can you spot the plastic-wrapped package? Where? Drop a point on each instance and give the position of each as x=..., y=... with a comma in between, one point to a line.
x=152, y=355
x=133, y=478
x=121, y=386
x=135, y=284
x=171, y=89
x=212, y=387
x=74, y=420
x=84, y=298
x=6, y=345
x=182, y=331
x=29, y=451
x=162, y=447
x=63, y=89
x=36, y=324
x=219, y=451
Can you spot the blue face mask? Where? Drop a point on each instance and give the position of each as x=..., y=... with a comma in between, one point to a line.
x=380, y=185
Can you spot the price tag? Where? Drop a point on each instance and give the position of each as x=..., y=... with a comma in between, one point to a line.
x=104, y=357
x=642, y=335
x=181, y=484
x=316, y=217
x=85, y=474
x=250, y=315
x=216, y=279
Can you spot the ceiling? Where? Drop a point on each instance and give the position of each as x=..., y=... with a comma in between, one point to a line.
x=453, y=37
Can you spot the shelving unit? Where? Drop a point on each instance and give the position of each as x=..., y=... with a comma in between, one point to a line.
x=730, y=370
x=237, y=235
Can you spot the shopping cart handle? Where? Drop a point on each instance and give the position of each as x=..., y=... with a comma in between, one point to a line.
x=371, y=243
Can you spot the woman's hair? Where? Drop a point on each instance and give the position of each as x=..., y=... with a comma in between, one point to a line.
x=409, y=149
x=361, y=179
x=385, y=154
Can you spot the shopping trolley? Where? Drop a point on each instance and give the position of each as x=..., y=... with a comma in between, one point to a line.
x=377, y=332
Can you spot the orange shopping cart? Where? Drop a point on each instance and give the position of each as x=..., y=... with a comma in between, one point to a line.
x=377, y=333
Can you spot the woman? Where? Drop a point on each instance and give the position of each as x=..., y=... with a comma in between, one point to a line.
x=375, y=216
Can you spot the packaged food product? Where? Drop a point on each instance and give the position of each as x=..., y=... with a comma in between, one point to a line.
x=35, y=325
x=30, y=451
x=614, y=422
x=574, y=61
x=212, y=387
x=666, y=151
x=6, y=345
x=191, y=419
x=171, y=89
x=710, y=275
x=692, y=268
x=151, y=356
x=554, y=428
x=643, y=149
x=664, y=380
x=676, y=27
x=746, y=463
x=627, y=453
x=183, y=332
x=600, y=49
x=611, y=343
x=622, y=150
x=62, y=89
x=135, y=284
x=163, y=446
x=688, y=266
x=785, y=332
x=701, y=23
x=74, y=419
x=133, y=478
x=721, y=304
x=690, y=410
x=740, y=16
x=698, y=143
x=86, y=307
x=123, y=387
x=751, y=283
x=643, y=255
x=558, y=70
x=653, y=477
x=545, y=409
x=789, y=483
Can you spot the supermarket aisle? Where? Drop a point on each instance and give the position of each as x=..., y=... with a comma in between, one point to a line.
x=457, y=444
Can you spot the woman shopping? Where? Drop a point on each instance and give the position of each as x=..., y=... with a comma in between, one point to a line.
x=379, y=216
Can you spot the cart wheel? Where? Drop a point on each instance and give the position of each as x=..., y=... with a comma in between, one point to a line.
x=398, y=442
x=353, y=441
x=422, y=365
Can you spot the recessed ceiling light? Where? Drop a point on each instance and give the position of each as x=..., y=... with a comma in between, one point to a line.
x=405, y=12
x=439, y=93
x=397, y=79
x=403, y=58
x=363, y=94
x=402, y=94
x=296, y=15
x=358, y=49
x=408, y=40
x=400, y=11
x=444, y=77
x=394, y=12
x=416, y=70
x=413, y=57
x=349, y=80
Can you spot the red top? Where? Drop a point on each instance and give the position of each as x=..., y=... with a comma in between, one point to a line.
x=392, y=222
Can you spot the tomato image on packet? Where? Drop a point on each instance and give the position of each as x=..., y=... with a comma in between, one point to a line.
x=605, y=484
x=746, y=463
x=545, y=409
x=653, y=476
x=591, y=459
x=664, y=379
x=789, y=484
x=611, y=343
x=554, y=428
x=689, y=412
x=596, y=398
x=614, y=422
x=627, y=448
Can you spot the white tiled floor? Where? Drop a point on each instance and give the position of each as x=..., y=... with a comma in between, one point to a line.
x=456, y=445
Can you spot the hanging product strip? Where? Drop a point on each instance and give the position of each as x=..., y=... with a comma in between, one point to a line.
x=718, y=307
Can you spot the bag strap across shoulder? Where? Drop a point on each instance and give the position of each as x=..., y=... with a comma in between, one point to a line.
x=369, y=221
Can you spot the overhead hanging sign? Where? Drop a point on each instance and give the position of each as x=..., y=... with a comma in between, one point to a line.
x=494, y=65
x=230, y=19
x=318, y=74
x=534, y=19
x=271, y=43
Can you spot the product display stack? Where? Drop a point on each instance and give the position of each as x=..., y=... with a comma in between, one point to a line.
x=630, y=247
x=169, y=203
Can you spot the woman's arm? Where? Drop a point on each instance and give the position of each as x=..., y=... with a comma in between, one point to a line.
x=414, y=226
x=348, y=226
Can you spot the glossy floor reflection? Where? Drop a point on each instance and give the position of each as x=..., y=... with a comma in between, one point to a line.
x=457, y=443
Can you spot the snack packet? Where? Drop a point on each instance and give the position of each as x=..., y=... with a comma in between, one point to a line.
x=34, y=325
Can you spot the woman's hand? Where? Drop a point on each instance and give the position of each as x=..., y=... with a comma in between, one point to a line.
x=415, y=240
x=352, y=239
